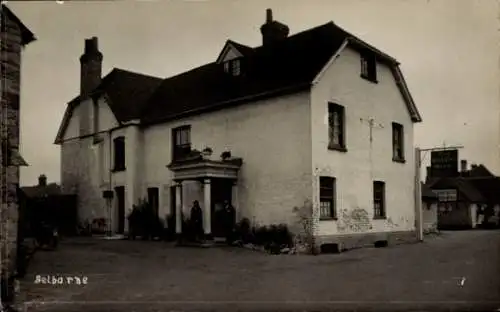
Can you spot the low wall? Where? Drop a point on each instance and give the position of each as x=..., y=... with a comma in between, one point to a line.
x=352, y=241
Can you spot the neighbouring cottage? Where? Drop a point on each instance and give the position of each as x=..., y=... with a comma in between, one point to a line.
x=469, y=200
x=429, y=210
x=14, y=35
x=319, y=115
x=45, y=202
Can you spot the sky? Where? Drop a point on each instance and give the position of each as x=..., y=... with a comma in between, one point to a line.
x=448, y=49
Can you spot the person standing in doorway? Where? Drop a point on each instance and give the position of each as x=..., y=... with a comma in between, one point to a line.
x=197, y=220
x=229, y=221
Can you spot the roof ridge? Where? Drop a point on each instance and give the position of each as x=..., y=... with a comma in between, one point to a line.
x=117, y=69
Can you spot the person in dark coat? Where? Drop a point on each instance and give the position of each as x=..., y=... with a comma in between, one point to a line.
x=229, y=221
x=197, y=220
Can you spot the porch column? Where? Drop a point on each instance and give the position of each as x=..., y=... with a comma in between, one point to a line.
x=178, y=208
x=234, y=201
x=207, y=206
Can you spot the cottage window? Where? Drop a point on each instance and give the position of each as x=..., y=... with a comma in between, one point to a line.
x=369, y=66
x=397, y=142
x=327, y=194
x=119, y=154
x=336, y=127
x=378, y=199
x=181, y=142
x=447, y=195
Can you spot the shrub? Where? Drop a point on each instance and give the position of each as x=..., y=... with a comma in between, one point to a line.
x=243, y=231
x=143, y=221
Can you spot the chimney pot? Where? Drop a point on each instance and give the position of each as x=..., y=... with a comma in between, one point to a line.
x=273, y=31
x=91, y=67
x=269, y=15
x=42, y=180
x=463, y=165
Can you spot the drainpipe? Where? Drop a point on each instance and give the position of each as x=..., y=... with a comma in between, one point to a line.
x=418, y=197
x=109, y=201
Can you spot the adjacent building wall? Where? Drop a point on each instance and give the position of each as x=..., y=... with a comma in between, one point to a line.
x=10, y=61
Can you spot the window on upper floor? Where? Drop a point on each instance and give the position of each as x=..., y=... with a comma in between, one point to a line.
x=398, y=151
x=369, y=66
x=119, y=154
x=233, y=67
x=327, y=198
x=336, y=127
x=181, y=142
x=378, y=200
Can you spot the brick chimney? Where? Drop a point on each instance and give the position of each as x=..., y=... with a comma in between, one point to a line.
x=90, y=67
x=42, y=180
x=463, y=165
x=273, y=31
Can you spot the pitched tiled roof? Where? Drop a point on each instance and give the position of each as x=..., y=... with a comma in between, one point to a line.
x=126, y=92
x=26, y=34
x=489, y=187
x=427, y=193
x=466, y=189
x=287, y=66
x=479, y=171
x=38, y=191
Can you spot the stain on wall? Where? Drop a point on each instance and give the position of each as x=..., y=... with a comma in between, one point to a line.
x=356, y=220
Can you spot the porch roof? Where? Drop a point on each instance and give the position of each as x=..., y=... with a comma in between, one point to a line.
x=201, y=168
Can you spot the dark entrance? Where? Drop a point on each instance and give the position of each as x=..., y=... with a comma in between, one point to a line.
x=120, y=197
x=153, y=199
x=221, y=190
x=172, y=207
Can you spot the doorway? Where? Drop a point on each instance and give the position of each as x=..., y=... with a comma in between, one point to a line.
x=153, y=199
x=221, y=190
x=120, y=202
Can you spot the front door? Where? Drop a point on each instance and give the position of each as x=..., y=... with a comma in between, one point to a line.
x=221, y=191
x=153, y=199
x=120, y=202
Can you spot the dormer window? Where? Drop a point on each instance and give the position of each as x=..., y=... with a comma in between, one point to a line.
x=236, y=67
x=233, y=67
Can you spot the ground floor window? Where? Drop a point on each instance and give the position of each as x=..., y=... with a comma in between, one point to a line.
x=378, y=199
x=327, y=198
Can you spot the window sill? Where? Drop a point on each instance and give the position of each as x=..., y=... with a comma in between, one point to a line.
x=339, y=148
x=369, y=79
x=399, y=160
x=380, y=218
x=118, y=169
x=328, y=219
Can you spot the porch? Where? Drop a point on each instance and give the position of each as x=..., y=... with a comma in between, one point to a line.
x=218, y=179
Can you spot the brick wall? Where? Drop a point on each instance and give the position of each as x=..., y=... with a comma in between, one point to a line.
x=10, y=59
